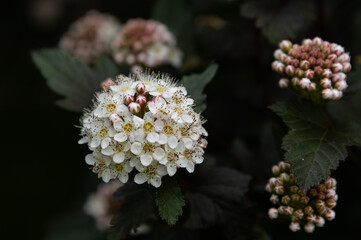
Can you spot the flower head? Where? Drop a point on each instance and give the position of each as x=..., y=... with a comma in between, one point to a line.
x=156, y=137
x=146, y=43
x=308, y=209
x=315, y=69
x=90, y=36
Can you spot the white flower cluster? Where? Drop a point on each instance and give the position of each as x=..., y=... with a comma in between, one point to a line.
x=315, y=69
x=146, y=43
x=145, y=122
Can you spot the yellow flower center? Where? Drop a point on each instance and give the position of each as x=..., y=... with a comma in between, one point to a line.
x=148, y=127
x=118, y=167
x=103, y=133
x=128, y=128
x=178, y=110
x=172, y=157
x=161, y=89
x=148, y=148
x=150, y=170
x=188, y=154
x=111, y=108
x=184, y=131
x=119, y=147
x=167, y=129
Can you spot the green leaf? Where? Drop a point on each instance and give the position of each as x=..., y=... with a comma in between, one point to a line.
x=279, y=20
x=177, y=15
x=313, y=147
x=71, y=78
x=137, y=207
x=169, y=200
x=216, y=193
x=196, y=83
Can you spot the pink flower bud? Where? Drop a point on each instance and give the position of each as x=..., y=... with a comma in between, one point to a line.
x=290, y=70
x=279, y=189
x=285, y=45
x=294, y=226
x=339, y=50
x=336, y=94
x=268, y=188
x=278, y=66
x=286, y=200
x=273, y=213
x=344, y=58
x=114, y=117
x=305, y=83
x=288, y=210
x=309, y=74
x=330, y=215
x=283, y=83
x=294, y=189
x=141, y=100
x=272, y=181
x=332, y=57
x=331, y=203
x=330, y=183
x=326, y=83
x=128, y=99
x=322, y=210
x=317, y=41
x=295, y=81
x=295, y=198
x=312, y=218
x=327, y=73
x=299, y=72
x=304, y=64
x=274, y=199
x=327, y=93
x=134, y=107
x=298, y=214
x=320, y=221
x=140, y=88
x=312, y=86
x=309, y=227
x=304, y=200
x=275, y=170
x=341, y=85
x=337, y=67
x=308, y=210
x=338, y=77
x=306, y=41
x=319, y=203
x=330, y=193
x=277, y=54
x=346, y=67
x=107, y=83
x=281, y=210
x=284, y=177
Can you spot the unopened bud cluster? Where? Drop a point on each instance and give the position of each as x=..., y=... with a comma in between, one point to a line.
x=308, y=209
x=144, y=121
x=315, y=69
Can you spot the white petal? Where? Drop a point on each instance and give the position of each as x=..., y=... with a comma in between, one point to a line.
x=187, y=118
x=162, y=139
x=106, y=175
x=90, y=159
x=171, y=169
x=167, y=94
x=172, y=142
x=140, y=178
x=138, y=122
x=105, y=142
x=127, y=167
x=118, y=125
x=118, y=158
x=152, y=107
x=124, y=177
x=162, y=170
x=158, y=125
x=188, y=143
x=158, y=154
x=95, y=142
x=156, y=181
x=83, y=140
x=136, y=148
x=100, y=112
x=190, y=167
x=198, y=160
x=163, y=160
x=107, y=151
x=146, y=159
x=120, y=137
x=152, y=137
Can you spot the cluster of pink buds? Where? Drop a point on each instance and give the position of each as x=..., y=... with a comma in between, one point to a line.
x=315, y=70
x=146, y=43
x=308, y=209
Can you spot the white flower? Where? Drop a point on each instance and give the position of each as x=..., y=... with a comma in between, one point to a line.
x=273, y=213
x=152, y=174
x=295, y=226
x=309, y=227
x=164, y=135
